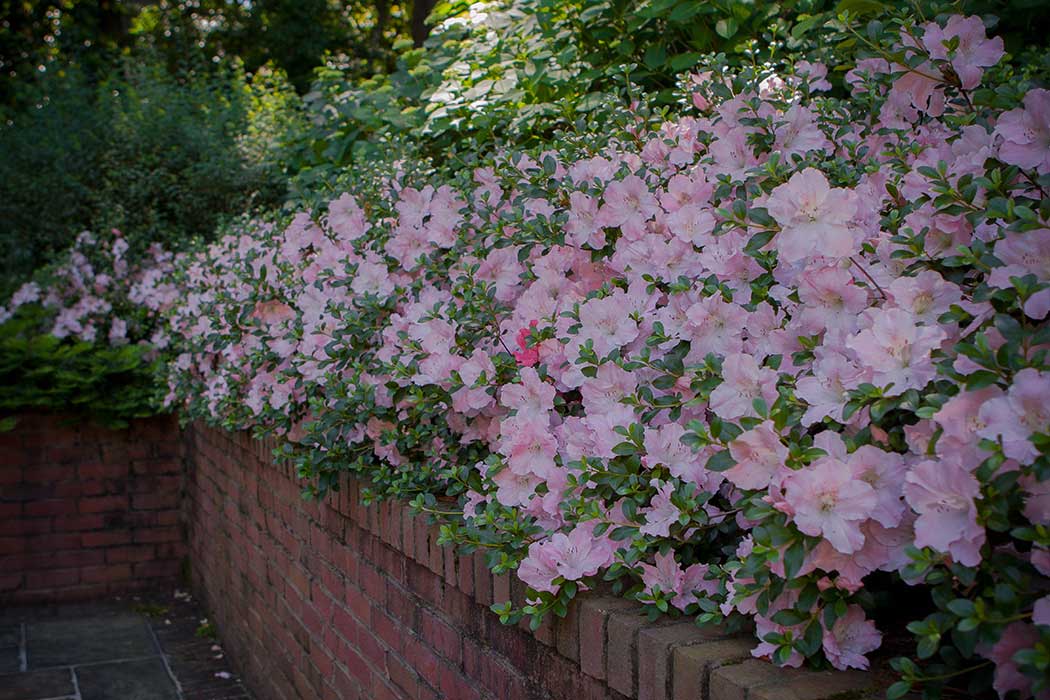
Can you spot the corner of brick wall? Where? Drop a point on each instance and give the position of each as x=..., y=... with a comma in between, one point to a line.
x=86, y=511
x=339, y=600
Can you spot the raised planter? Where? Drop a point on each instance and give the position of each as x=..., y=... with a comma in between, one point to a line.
x=339, y=600
x=86, y=511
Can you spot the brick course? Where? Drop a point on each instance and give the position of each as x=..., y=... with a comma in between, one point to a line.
x=87, y=512
x=340, y=600
x=333, y=600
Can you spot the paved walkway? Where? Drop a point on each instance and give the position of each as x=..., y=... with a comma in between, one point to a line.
x=151, y=647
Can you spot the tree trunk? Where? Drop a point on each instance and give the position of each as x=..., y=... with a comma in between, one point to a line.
x=420, y=29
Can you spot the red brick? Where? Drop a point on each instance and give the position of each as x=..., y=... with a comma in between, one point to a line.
x=103, y=504
x=131, y=554
x=106, y=538
x=692, y=665
x=403, y=677
x=567, y=633
x=655, y=650
x=49, y=507
x=158, y=534
x=621, y=667
x=151, y=501
x=97, y=470
x=736, y=681
x=594, y=617
x=55, y=578
x=105, y=574
x=441, y=636
x=79, y=523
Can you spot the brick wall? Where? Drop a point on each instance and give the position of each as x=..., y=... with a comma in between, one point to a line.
x=85, y=511
x=336, y=600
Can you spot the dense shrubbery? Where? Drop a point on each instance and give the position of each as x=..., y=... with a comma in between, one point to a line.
x=163, y=157
x=777, y=353
x=85, y=335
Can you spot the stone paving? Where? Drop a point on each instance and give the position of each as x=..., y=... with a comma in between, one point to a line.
x=149, y=647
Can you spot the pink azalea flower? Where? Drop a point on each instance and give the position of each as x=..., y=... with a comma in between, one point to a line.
x=692, y=224
x=926, y=296
x=884, y=472
x=759, y=456
x=528, y=445
x=896, y=350
x=514, y=489
x=661, y=513
x=664, y=446
x=743, y=382
x=1024, y=410
x=716, y=326
x=1041, y=611
x=827, y=390
x=829, y=501
x=814, y=217
x=607, y=324
x=665, y=575
x=532, y=400
x=580, y=553
x=582, y=226
x=850, y=638
x=1026, y=133
x=602, y=392
x=1017, y=636
x=943, y=494
x=799, y=133
x=539, y=569
x=526, y=356
x=973, y=52
x=346, y=219
x=628, y=204
x=1026, y=253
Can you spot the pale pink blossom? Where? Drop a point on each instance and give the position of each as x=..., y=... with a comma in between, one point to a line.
x=532, y=400
x=850, y=638
x=1016, y=636
x=759, y=457
x=897, y=350
x=661, y=513
x=743, y=382
x=829, y=501
x=581, y=553
x=943, y=494
x=628, y=204
x=1025, y=253
x=1026, y=132
x=973, y=52
x=814, y=217
x=1015, y=417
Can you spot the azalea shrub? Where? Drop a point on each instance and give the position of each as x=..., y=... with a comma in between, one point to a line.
x=775, y=359
x=85, y=336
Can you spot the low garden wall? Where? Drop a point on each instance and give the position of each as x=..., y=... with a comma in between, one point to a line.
x=334, y=599
x=86, y=511
x=339, y=600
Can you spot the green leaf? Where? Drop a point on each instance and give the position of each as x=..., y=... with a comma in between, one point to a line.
x=720, y=461
x=726, y=27
x=898, y=690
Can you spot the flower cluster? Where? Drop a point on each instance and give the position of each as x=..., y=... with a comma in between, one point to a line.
x=780, y=356
x=96, y=294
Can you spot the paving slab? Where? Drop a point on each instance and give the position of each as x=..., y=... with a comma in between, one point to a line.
x=146, y=679
x=38, y=685
x=153, y=646
x=89, y=640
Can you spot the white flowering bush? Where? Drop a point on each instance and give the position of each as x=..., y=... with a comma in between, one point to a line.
x=779, y=357
x=86, y=334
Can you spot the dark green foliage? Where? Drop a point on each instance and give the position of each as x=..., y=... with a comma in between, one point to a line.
x=40, y=372
x=162, y=157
